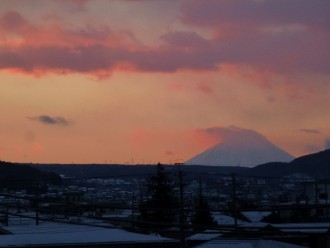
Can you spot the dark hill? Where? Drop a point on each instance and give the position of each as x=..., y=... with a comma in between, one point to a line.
x=314, y=165
x=18, y=176
x=315, y=159
x=273, y=169
x=317, y=164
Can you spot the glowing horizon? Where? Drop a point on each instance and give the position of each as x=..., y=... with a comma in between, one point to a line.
x=92, y=81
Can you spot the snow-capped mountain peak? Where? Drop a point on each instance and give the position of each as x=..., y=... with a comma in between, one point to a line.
x=241, y=147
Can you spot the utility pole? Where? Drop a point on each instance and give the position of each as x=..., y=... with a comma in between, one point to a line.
x=316, y=192
x=7, y=216
x=133, y=197
x=326, y=196
x=181, y=212
x=233, y=182
x=37, y=206
x=200, y=187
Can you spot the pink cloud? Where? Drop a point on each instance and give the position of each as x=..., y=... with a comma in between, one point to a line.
x=176, y=86
x=99, y=50
x=18, y=149
x=205, y=88
x=260, y=13
x=227, y=134
x=53, y=34
x=182, y=144
x=36, y=148
x=203, y=138
x=283, y=36
x=85, y=50
x=185, y=40
x=75, y=5
x=168, y=153
x=12, y=21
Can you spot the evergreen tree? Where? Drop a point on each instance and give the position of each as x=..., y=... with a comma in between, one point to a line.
x=202, y=217
x=159, y=211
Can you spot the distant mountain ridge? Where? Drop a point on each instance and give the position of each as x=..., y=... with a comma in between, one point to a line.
x=315, y=165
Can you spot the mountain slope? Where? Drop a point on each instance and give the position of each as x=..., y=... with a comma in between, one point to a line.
x=246, y=149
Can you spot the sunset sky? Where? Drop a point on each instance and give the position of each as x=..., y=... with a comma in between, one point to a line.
x=142, y=81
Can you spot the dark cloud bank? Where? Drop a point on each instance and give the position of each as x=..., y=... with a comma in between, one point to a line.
x=49, y=120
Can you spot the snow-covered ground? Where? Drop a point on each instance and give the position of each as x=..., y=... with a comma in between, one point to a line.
x=256, y=216
x=247, y=244
x=313, y=227
x=63, y=233
x=206, y=235
x=26, y=232
x=223, y=219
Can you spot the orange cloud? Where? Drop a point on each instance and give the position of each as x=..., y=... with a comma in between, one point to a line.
x=36, y=148
x=18, y=149
x=177, y=144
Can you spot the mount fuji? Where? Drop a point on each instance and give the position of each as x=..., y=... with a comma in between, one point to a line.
x=240, y=147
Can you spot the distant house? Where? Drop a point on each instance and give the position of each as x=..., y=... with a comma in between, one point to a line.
x=313, y=204
x=74, y=196
x=317, y=191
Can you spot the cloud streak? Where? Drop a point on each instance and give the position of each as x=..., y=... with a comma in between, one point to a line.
x=49, y=120
x=310, y=131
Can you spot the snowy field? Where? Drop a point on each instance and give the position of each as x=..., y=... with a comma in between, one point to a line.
x=25, y=232
x=247, y=244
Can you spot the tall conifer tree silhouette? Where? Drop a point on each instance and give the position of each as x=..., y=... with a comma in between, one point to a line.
x=159, y=211
x=202, y=217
